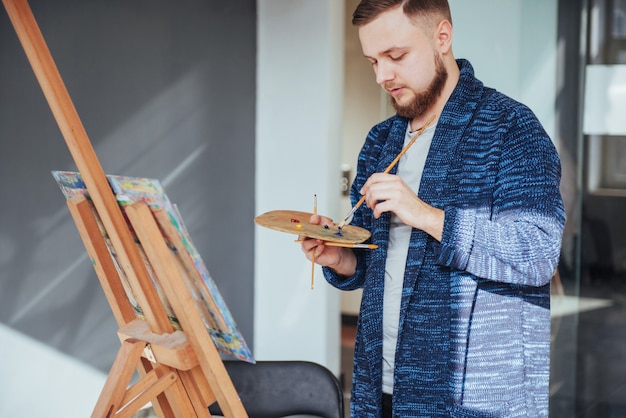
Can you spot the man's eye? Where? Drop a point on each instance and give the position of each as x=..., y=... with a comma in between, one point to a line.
x=396, y=57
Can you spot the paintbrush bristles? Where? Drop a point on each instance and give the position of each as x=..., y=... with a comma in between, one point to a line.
x=388, y=169
x=350, y=213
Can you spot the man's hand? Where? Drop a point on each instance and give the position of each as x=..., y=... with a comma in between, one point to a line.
x=389, y=193
x=340, y=259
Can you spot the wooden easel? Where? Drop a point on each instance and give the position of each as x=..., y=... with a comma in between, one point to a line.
x=181, y=372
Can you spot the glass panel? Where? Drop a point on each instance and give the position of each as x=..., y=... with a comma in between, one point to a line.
x=600, y=372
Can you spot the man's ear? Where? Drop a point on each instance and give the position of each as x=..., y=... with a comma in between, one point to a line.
x=444, y=36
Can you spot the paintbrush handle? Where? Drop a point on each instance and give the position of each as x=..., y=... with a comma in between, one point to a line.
x=388, y=169
x=313, y=255
x=411, y=142
x=344, y=244
x=349, y=245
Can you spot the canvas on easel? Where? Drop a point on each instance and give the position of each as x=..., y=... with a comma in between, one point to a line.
x=207, y=298
x=181, y=371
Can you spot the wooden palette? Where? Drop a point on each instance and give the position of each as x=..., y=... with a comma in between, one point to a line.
x=295, y=222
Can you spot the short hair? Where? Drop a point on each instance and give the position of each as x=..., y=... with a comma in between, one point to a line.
x=368, y=10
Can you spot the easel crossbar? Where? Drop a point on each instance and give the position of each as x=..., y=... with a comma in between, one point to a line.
x=172, y=349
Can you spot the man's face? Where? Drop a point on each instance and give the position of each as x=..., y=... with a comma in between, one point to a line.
x=405, y=61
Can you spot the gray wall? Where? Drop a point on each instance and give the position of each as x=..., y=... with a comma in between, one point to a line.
x=165, y=89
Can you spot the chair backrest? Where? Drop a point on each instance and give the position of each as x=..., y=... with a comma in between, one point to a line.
x=276, y=389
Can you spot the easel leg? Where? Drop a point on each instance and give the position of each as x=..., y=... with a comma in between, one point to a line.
x=118, y=379
x=198, y=390
x=119, y=400
x=161, y=405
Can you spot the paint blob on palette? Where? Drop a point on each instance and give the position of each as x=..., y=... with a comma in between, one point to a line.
x=296, y=222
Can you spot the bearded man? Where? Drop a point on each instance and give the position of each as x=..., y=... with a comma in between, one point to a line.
x=455, y=312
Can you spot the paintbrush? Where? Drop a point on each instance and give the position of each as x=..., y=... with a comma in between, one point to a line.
x=387, y=170
x=350, y=245
x=313, y=255
x=345, y=244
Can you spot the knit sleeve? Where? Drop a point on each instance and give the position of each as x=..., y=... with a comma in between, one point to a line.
x=516, y=239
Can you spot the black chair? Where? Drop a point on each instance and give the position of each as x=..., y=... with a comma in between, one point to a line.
x=277, y=389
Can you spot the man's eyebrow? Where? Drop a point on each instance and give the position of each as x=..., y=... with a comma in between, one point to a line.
x=388, y=51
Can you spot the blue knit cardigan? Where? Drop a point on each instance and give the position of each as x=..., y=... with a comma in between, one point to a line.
x=474, y=330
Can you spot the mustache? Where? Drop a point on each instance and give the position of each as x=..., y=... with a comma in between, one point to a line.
x=391, y=86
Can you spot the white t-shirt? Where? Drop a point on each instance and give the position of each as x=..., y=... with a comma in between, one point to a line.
x=410, y=168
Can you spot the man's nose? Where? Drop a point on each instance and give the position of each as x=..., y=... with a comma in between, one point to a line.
x=384, y=73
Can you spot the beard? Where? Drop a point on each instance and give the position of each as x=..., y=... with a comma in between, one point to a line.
x=426, y=99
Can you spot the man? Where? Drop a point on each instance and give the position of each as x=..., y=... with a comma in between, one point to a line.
x=455, y=312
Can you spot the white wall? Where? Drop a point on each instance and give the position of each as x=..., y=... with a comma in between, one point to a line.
x=299, y=97
x=512, y=45
x=361, y=110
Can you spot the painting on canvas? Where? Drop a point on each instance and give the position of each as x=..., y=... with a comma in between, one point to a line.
x=209, y=302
